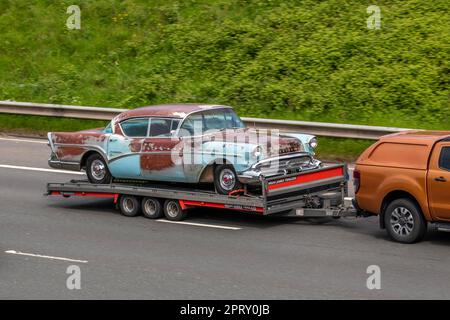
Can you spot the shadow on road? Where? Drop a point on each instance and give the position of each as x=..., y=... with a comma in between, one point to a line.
x=362, y=226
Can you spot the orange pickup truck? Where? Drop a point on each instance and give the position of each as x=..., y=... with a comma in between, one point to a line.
x=405, y=179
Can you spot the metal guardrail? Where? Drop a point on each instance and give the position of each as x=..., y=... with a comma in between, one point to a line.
x=98, y=113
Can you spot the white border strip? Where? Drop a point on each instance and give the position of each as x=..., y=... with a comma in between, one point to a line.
x=7, y=166
x=25, y=140
x=199, y=224
x=42, y=256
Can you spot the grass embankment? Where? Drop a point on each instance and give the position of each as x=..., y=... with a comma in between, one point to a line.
x=300, y=60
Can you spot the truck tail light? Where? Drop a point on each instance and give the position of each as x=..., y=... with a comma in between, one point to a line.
x=356, y=180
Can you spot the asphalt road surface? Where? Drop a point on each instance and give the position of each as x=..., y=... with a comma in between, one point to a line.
x=224, y=255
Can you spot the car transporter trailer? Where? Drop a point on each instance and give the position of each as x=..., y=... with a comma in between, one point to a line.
x=315, y=193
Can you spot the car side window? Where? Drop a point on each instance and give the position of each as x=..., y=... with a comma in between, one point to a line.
x=444, y=159
x=135, y=127
x=160, y=127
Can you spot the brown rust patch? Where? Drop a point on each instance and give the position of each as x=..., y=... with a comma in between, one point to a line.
x=69, y=153
x=82, y=137
x=69, y=145
x=156, y=162
x=135, y=145
x=157, y=153
x=207, y=174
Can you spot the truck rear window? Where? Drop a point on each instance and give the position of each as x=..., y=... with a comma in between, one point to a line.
x=413, y=156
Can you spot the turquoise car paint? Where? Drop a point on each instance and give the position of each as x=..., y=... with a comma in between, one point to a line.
x=126, y=167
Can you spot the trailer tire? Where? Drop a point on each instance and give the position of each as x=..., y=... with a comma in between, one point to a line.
x=404, y=221
x=173, y=210
x=129, y=206
x=151, y=208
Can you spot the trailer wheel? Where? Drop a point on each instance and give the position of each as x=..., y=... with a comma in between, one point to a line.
x=404, y=221
x=151, y=208
x=129, y=206
x=173, y=210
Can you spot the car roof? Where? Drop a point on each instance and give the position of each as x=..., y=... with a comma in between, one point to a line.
x=428, y=137
x=180, y=110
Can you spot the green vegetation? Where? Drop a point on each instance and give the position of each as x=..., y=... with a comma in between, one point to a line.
x=39, y=126
x=306, y=60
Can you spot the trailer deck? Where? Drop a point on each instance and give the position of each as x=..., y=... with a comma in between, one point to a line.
x=315, y=193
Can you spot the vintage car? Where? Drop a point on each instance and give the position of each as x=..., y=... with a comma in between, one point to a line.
x=189, y=143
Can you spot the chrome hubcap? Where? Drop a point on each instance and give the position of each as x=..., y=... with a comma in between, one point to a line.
x=98, y=169
x=227, y=179
x=150, y=207
x=402, y=221
x=128, y=205
x=172, y=209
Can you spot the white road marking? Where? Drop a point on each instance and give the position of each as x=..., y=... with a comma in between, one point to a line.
x=25, y=140
x=42, y=256
x=7, y=166
x=199, y=224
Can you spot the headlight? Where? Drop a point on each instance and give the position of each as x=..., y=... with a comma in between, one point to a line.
x=313, y=142
x=257, y=152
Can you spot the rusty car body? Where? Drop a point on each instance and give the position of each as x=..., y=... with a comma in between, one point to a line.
x=189, y=143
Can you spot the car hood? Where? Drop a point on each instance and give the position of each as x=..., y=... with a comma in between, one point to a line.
x=272, y=141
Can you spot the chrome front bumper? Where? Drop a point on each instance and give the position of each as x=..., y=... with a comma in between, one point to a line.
x=284, y=165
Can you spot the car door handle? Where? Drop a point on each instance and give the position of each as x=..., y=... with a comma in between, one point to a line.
x=112, y=140
x=440, y=179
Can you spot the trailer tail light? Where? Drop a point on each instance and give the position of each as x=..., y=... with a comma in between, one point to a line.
x=356, y=180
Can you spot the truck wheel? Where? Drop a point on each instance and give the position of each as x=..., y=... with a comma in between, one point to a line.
x=404, y=221
x=97, y=169
x=225, y=179
x=173, y=210
x=151, y=208
x=129, y=206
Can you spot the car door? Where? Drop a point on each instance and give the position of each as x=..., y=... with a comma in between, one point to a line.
x=193, y=139
x=124, y=149
x=161, y=156
x=439, y=182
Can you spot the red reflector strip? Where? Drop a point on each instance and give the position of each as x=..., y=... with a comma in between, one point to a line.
x=186, y=203
x=308, y=177
x=85, y=194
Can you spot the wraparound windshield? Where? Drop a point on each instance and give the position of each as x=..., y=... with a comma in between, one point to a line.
x=211, y=120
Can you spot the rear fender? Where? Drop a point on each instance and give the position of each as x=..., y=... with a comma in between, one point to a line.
x=71, y=147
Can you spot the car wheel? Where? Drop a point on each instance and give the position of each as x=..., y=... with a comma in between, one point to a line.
x=225, y=179
x=151, y=208
x=173, y=210
x=404, y=221
x=97, y=170
x=129, y=206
